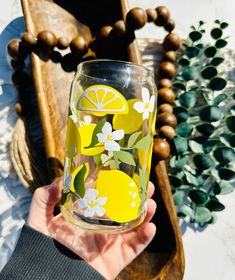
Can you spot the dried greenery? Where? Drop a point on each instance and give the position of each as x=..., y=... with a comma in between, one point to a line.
x=203, y=162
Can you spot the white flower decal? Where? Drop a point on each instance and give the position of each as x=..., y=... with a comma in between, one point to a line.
x=108, y=137
x=92, y=204
x=107, y=161
x=86, y=120
x=147, y=105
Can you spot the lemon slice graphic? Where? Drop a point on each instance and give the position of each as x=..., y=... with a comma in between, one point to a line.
x=101, y=100
x=122, y=194
x=130, y=122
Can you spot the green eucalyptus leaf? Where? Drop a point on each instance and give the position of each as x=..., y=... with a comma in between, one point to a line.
x=195, y=35
x=205, y=129
x=184, y=129
x=183, y=61
x=210, y=114
x=221, y=43
x=214, y=205
x=192, y=180
x=217, y=21
x=226, y=174
x=178, y=197
x=196, y=147
x=216, y=188
x=209, y=145
x=199, y=46
x=203, y=162
x=191, y=52
x=175, y=181
x=214, y=218
x=190, y=73
x=220, y=98
x=181, y=114
x=228, y=139
x=217, y=83
x=226, y=187
x=201, y=22
x=202, y=215
x=179, y=85
x=133, y=138
x=224, y=154
x=232, y=110
x=230, y=123
x=216, y=61
x=79, y=180
x=181, y=144
x=186, y=210
x=223, y=25
x=188, y=99
x=208, y=72
x=179, y=165
x=198, y=196
x=216, y=33
x=144, y=143
x=210, y=51
x=125, y=157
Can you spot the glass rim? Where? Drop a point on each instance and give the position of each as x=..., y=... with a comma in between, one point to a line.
x=149, y=71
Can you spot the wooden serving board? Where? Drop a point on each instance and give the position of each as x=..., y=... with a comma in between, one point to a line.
x=164, y=258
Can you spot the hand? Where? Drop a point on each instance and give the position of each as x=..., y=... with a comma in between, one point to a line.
x=107, y=253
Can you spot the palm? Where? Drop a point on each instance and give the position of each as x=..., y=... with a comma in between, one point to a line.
x=107, y=253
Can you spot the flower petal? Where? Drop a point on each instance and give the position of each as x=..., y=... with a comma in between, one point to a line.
x=101, y=200
x=151, y=105
x=89, y=212
x=82, y=203
x=91, y=194
x=112, y=146
x=101, y=137
x=139, y=106
x=146, y=114
x=118, y=134
x=99, y=211
x=145, y=95
x=107, y=128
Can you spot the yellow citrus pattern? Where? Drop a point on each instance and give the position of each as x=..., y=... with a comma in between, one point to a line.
x=73, y=141
x=145, y=158
x=75, y=172
x=130, y=122
x=102, y=99
x=122, y=194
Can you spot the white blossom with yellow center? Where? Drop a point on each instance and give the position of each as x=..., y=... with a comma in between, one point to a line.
x=147, y=105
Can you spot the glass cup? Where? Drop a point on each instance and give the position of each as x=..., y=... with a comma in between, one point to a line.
x=109, y=138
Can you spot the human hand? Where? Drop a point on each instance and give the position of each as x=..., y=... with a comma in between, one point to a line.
x=107, y=253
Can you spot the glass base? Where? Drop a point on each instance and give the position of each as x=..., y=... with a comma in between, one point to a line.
x=100, y=226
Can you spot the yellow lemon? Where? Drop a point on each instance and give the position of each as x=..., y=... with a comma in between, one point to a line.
x=102, y=99
x=85, y=134
x=75, y=172
x=73, y=141
x=122, y=194
x=145, y=157
x=129, y=122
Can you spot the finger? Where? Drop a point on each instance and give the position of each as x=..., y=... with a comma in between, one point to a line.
x=151, y=209
x=151, y=189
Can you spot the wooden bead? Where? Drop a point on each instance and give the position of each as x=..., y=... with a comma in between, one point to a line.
x=62, y=43
x=119, y=29
x=161, y=148
x=163, y=15
x=167, y=70
x=165, y=107
x=17, y=64
x=78, y=46
x=167, y=132
x=136, y=18
x=104, y=32
x=18, y=108
x=151, y=15
x=28, y=40
x=169, y=56
x=170, y=25
x=13, y=49
x=166, y=95
x=46, y=40
x=164, y=83
x=166, y=119
x=171, y=42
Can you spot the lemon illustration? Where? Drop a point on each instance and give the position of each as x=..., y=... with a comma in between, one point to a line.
x=75, y=172
x=145, y=157
x=73, y=141
x=129, y=122
x=101, y=99
x=122, y=194
x=85, y=134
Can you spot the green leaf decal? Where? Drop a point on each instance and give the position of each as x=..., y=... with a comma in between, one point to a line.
x=125, y=157
x=144, y=143
x=63, y=198
x=133, y=138
x=79, y=181
x=97, y=129
x=143, y=183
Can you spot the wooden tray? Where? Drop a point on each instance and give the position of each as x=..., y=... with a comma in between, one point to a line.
x=164, y=258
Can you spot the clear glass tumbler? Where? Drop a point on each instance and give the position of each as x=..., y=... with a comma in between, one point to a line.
x=109, y=138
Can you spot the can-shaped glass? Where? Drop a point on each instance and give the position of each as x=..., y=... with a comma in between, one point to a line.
x=110, y=129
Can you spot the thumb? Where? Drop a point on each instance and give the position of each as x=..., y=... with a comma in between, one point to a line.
x=42, y=207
